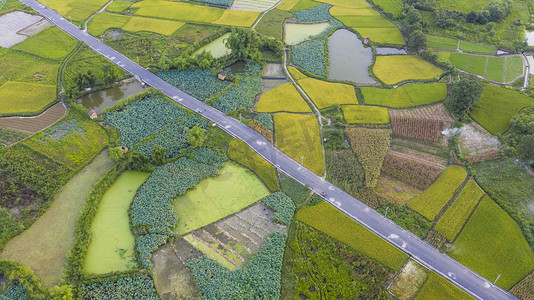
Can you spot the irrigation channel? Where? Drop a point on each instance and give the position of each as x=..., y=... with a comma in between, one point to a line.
x=460, y=275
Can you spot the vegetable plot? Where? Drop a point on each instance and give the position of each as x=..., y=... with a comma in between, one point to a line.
x=240, y=96
x=310, y=55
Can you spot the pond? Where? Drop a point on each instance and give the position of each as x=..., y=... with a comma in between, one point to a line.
x=112, y=243
x=214, y=198
x=297, y=33
x=100, y=100
x=349, y=59
x=529, y=37
x=385, y=51
x=217, y=47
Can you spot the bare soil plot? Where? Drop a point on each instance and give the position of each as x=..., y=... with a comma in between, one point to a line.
x=477, y=145
x=273, y=70
x=35, y=124
x=409, y=281
x=11, y=24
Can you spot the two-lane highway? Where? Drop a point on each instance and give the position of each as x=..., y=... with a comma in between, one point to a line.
x=427, y=255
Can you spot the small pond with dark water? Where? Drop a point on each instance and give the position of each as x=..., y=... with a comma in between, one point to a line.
x=349, y=59
x=100, y=100
x=385, y=51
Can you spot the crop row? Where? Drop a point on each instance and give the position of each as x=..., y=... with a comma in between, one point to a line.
x=416, y=172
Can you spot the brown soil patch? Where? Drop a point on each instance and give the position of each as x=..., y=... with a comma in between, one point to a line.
x=35, y=124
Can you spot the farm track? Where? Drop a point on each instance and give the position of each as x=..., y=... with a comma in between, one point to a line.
x=427, y=255
x=37, y=123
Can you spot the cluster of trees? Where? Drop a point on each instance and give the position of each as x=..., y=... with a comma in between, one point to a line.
x=464, y=93
x=519, y=140
x=426, y=5
x=413, y=27
x=497, y=10
x=203, y=60
x=89, y=79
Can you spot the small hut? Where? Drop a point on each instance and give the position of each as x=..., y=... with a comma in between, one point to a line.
x=92, y=114
x=124, y=149
x=366, y=40
x=221, y=75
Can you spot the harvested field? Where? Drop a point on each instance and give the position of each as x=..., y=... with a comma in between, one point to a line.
x=524, y=290
x=412, y=170
x=421, y=151
x=395, y=190
x=424, y=123
x=35, y=124
x=409, y=281
x=476, y=145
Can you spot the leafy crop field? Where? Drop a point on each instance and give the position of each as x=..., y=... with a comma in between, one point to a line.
x=141, y=286
x=497, y=106
x=51, y=43
x=314, y=14
x=492, y=243
x=358, y=114
x=112, y=243
x=199, y=83
x=310, y=55
x=240, y=96
x=24, y=98
x=514, y=68
x=241, y=153
x=331, y=221
x=284, y=98
x=215, y=198
x=409, y=95
x=439, y=288
x=472, y=47
x=371, y=147
x=457, y=214
x=393, y=69
x=237, y=18
x=432, y=200
x=298, y=136
x=325, y=94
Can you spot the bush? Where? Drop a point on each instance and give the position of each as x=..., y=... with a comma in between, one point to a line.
x=282, y=205
x=311, y=55
x=267, y=120
x=407, y=219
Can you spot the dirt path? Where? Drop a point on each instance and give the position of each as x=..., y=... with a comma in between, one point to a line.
x=45, y=245
x=94, y=15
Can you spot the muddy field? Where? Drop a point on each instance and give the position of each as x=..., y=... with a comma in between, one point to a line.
x=12, y=26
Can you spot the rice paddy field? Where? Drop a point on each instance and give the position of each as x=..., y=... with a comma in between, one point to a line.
x=457, y=214
x=409, y=95
x=393, y=69
x=118, y=6
x=439, y=42
x=430, y=202
x=25, y=99
x=333, y=222
x=24, y=67
x=287, y=4
x=164, y=27
x=51, y=43
x=477, y=48
x=492, y=243
x=514, y=68
x=112, y=243
x=439, y=288
x=78, y=10
x=178, y=11
x=393, y=6
x=214, y=198
x=477, y=65
x=237, y=18
x=283, y=98
x=104, y=21
x=299, y=137
x=497, y=106
x=297, y=33
x=217, y=48
x=358, y=114
x=252, y=5
x=325, y=94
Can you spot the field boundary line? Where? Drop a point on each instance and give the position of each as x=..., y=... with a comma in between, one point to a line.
x=469, y=217
x=449, y=203
x=264, y=13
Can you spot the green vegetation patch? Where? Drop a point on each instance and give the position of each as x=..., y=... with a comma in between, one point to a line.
x=457, y=214
x=177, y=10
x=118, y=6
x=142, y=286
x=271, y=23
x=495, y=68
x=511, y=187
x=439, y=288
x=409, y=95
x=492, y=243
x=241, y=153
x=393, y=6
x=325, y=94
x=460, y=60
x=199, y=83
x=366, y=22
x=440, y=42
x=432, y=200
x=497, y=106
x=514, y=68
x=310, y=55
x=215, y=198
x=298, y=136
x=240, y=96
x=282, y=98
x=477, y=48
x=477, y=65
x=393, y=69
x=112, y=243
x=75, y=141
x=24, y=98
x=358, y=114
x=8, y=136
x=333, y=222
x=382, y=35
x=50, y=43
x=104, y=21
x=305, y=4
x=283, y=207
x=24, y=67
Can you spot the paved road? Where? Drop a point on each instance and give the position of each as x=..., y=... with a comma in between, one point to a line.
x=404, y=240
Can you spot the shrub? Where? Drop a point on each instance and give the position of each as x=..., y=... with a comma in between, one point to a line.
x=240, y=96
x=282, y=205
x=311, y=55
x=371, y=147
x=146, y=244
x=266, y=119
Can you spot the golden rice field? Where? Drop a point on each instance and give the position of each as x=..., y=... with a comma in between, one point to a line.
x=325, y=94
x=359, y=114
x=393, y=69
x=283, y=98
x=24, y=98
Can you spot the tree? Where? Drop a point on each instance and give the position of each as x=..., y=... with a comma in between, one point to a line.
x=523, y=121
x=498, y=10
x=111, y=74
x=243, y=43
x=196, y=136
x=163, y=63
x=417, y=41
x=464, y=94
x=158, y=155
x=413, y=16
x=116, y=153
x=472, y=17
x=525, y=147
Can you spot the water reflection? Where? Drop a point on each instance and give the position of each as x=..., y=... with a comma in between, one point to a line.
x=101, y=100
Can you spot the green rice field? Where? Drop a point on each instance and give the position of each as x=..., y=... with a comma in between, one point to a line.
x=104, y=21
x=112, y=243
x=514, y=68
x=233, y=189
x=359, y=114
x=393, y=69
x=430, y=202
x=492, y=243
x=439, y=288
x=409, y=95
x=118, y=6
x=51, y=43
x=477, y=65
x=217, y=48
x=495, y=69
x=497, y=106
x=439, y=42
x=24, y=98
x=472, y=47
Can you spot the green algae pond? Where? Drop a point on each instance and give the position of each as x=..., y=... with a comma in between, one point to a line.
x=297, y=33
x=217, y=197
x=112, y=243
x=217, y=48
